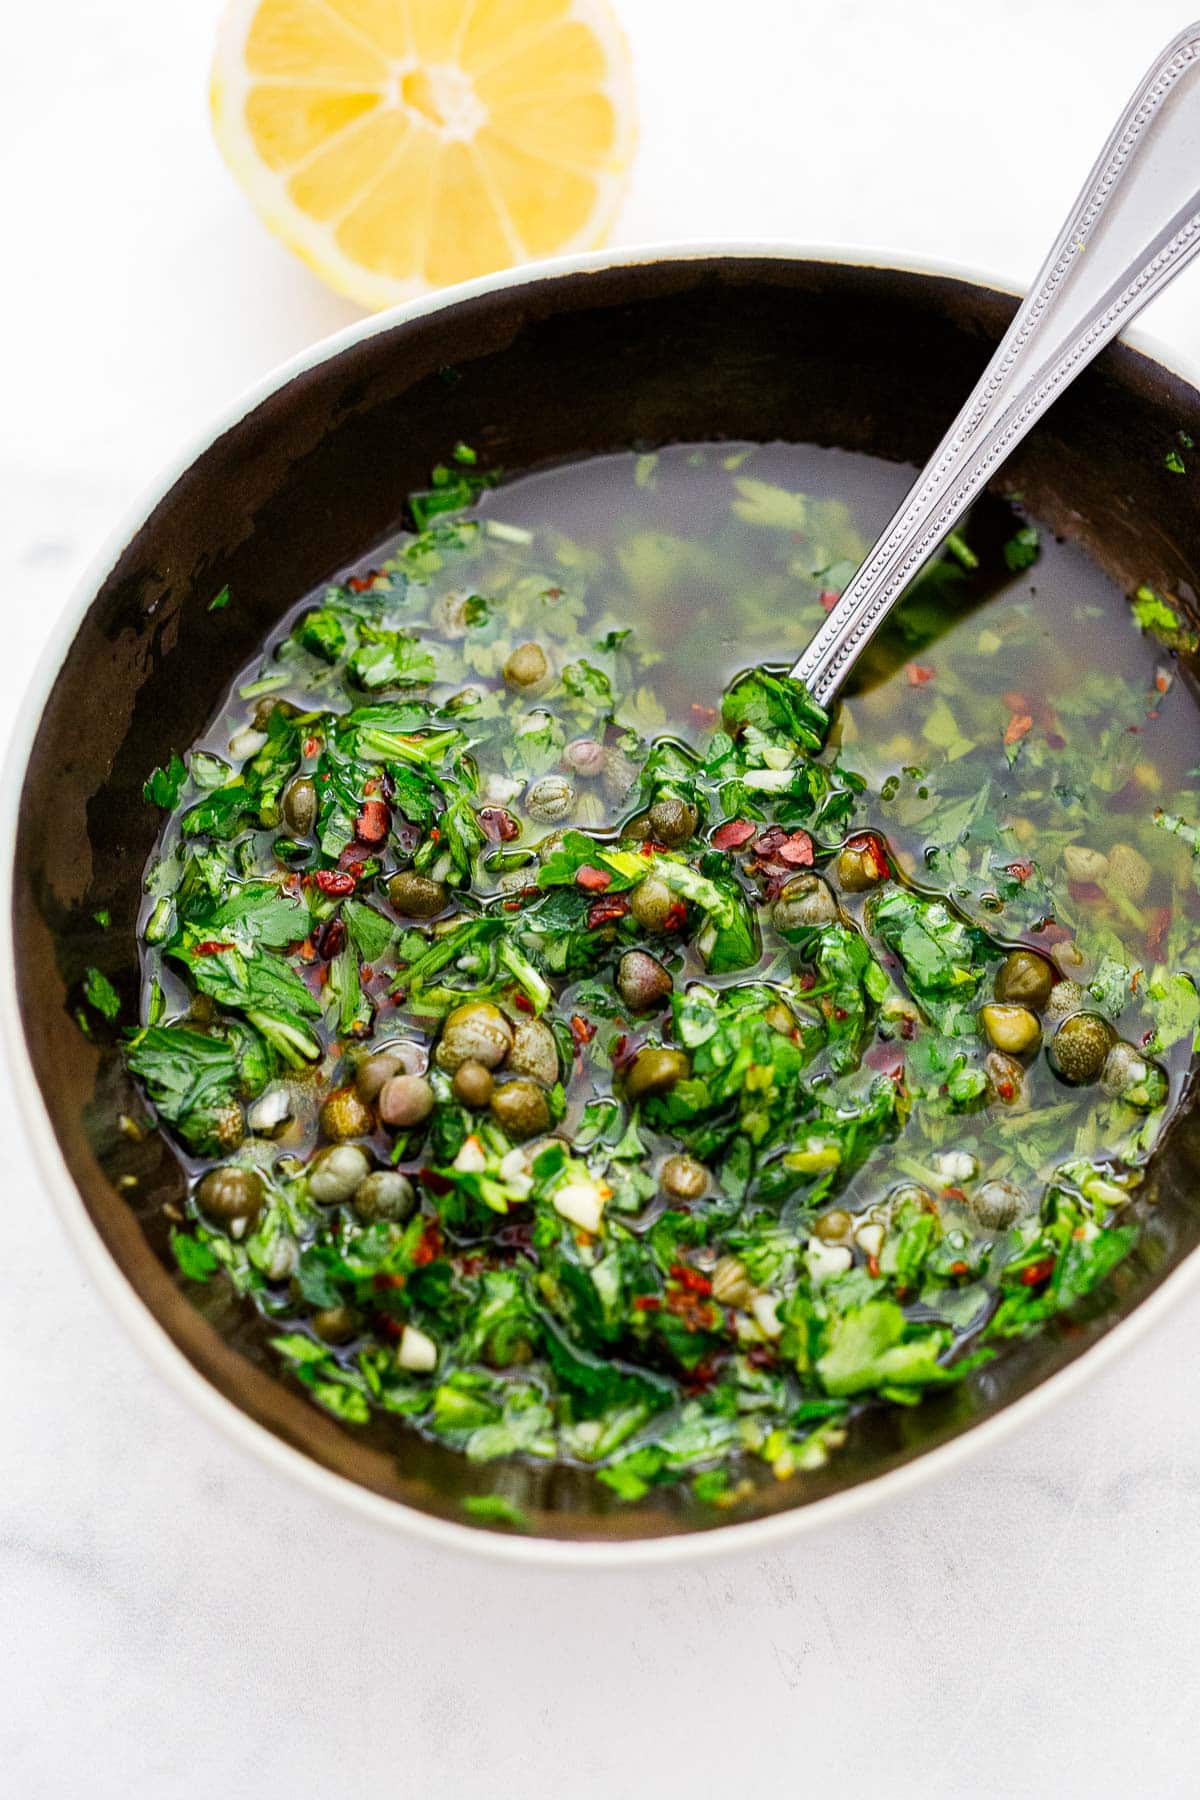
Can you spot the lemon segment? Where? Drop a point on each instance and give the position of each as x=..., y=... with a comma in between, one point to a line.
x=398, y=145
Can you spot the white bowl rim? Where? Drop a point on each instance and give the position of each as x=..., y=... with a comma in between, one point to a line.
x=160, y=1350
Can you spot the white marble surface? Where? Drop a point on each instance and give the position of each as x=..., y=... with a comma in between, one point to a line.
x=175, y=1621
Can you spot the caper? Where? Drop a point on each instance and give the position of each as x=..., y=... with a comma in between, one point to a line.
x=405, y=1102
x=1006, y=1079
x=683, y=1178
x=473, y=1085
x=671, y=820
x=384, y=1194
x=656, y=1072
x=642, y=982
x=534, y=1052
x=343, y=1115
x=519, y=1108
x=550, y=799
x=335, y=1324
x=1013, y=1029
x=299, y=804
x=334, y=1174
x=1080, y=1047
x=477, y=1031
x=1137, y=1080
x=1128, y=872
x=1084, y=864
x=526, y=666
x=653, y=904
x=232, y=1194
x=996, y=1205
x=1066, y=997
x=416, y=896
x=834, y=1227
x=374, y=1073
x=585, y=758
x=266, y=709
x=731, y=1283
x=1024, y=979
x=861, y=864
x=230, y=1126
x=804, y=902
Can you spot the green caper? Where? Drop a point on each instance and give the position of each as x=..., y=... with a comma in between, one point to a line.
x=343, y=1115
x=477, y=1031
x=642, y=982
x=996, y=1205
x=335, y=1173
x=653, y=904
x=526, y=666
x=230, y=1126
x=1128, y=872
x=834, y=1227
x=671, y=820
x=1013, y=1029
x=416, y=896
x=731, y=1283
x=861, y=864
x=335, y=1324
x=385, y=1194
x=534, y=1052
x=405, y=1102
x=1080, y=1047
x=519, y=1108
x=655, y=1071
x=299, y=804
x=1024, y=979
x=1136, y=1079
x=1007, y=1083
x=683, y=1178
x=804, y=903
x=550, y=799
x=231, y=1195
x=1066, y=997
x=374, y=1073
x=472, y=1085
x=268, y=706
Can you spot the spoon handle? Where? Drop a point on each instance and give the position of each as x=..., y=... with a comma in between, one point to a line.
x=1135, y=225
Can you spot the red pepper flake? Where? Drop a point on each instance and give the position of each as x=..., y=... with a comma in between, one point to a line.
x=497, y=825
x=521, y=1001
x=1162, y=682
x=1036, y=1272
x=335, y=881
x=1157, y=930
x=829, y=598
x=1014, y=701
x=582, y=1030
x=371, y=825
x=954, y=1193
x=553, y=593
x=646, y=1303
x=383, y=1281
x=210, y=947
x=604, y=912
x=359, y=584
x=732, y=835
x=703, y=715
x=311, y=746
x=761, y=1356
x=918, y=674
x=388, y=1327
x=593, y=880
x=873, y=1267
x=1017, y=727
x=806, y=979
x=701, y=1377
x=1020, y=871
x=429, y=1246
x=675, y=917
x=796, y=850
x=692, y=1279
x=960, y=1268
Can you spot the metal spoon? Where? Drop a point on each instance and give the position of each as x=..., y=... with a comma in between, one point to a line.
x=1134, y=226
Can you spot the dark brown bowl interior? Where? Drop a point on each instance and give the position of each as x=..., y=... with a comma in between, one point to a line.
x=868, y=359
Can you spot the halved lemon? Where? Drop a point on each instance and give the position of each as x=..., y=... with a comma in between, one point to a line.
x=398, y=145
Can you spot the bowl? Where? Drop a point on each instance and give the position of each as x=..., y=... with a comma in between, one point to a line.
x=301, y=476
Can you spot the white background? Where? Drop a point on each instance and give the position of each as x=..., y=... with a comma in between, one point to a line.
x=176, y=1622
